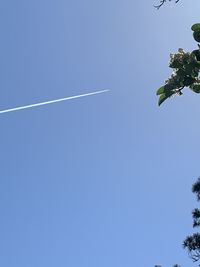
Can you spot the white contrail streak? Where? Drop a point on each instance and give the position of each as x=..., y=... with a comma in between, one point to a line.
x=52, y=101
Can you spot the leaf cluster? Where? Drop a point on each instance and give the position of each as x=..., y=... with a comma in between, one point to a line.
x=186, y=71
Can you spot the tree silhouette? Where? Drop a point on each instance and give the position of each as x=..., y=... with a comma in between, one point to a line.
x=192, y=242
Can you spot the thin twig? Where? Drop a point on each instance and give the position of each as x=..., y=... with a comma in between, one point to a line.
x=162, y=3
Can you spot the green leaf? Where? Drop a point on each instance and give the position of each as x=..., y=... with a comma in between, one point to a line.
x=161, y=90
x=198, y=64
x=162, y=98
x=181, y=73
x=166, y=89
x=189, y=80
x=196, y=35
x=195, y=27
x=195, y=88
x=196, y=52
x=189, y=68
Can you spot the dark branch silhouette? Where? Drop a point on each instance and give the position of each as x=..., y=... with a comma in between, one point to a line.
x=162, y=3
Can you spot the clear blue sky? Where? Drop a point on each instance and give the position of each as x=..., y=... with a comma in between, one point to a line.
x=102, y=181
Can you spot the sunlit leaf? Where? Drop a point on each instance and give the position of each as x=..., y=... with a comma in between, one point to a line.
x=195, y=88
x=162, y=98
x=196, y=27
x=161, y=90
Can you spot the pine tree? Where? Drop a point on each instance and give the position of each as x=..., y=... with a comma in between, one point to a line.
x=192, y=242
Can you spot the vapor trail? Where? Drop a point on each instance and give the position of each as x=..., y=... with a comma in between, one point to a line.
x=51, y=102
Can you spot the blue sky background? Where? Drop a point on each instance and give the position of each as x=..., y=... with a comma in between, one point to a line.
x=105, y=180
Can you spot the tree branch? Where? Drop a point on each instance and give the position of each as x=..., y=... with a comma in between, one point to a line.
x=162, y=3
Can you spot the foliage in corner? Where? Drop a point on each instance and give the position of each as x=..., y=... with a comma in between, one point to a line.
x=192, y=242
x=186, y=71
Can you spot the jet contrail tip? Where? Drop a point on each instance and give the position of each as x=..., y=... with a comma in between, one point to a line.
x=53, y=101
